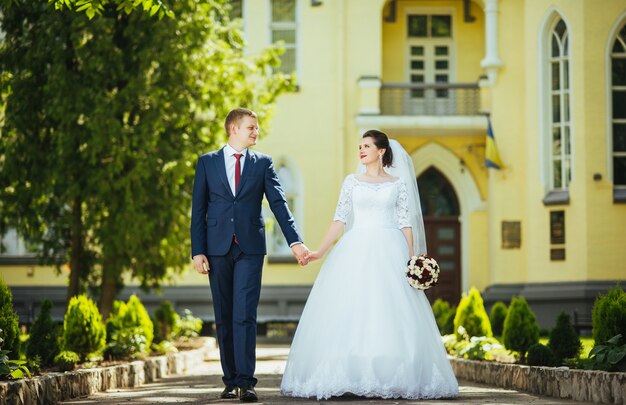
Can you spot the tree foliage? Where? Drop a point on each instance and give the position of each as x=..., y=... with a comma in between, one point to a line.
x=9, y=321
x=471, y=315
x=83, y=330
x=104, y=120
x=609, y=315
x=520, y=327
x=96, y=7
x=44, y=335
x=564, y=340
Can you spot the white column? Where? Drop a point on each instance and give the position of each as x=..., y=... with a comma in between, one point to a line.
x=491, y=63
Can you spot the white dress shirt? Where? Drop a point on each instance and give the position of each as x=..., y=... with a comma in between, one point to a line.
x=230, y=160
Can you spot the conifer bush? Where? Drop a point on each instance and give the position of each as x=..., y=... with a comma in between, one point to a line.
x=564, y=340
x=83, y=330
x=166, y=322
x=520, y=327
x=541, y=355
x=44, y=336
x=471, y=315
x=66, y=360
x=9, y=321
x=129, y=329
x=497, y=316
x=609, y=315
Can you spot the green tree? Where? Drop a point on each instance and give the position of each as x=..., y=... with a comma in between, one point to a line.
x=520, y=327
x=497, y=317
x=44, y=334
x=83, y=330
x=96, y=7
x=104, y=120
x=564, y=340
x=9, y=321
x=471, y=315
x=609, y=315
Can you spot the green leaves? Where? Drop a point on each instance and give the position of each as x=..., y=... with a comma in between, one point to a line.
x=610, y=356
x=95, y=7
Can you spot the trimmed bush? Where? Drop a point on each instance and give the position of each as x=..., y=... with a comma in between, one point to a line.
x=520, y=327
x=44, y=336
x=444, y=315
x=83, y=330
x=564, y=340
x=166, y=322
x=190, y=326
x=129, y=329
x=609, y=315
x=66, y=360
x=540, y=355
x=472, y=316
x=9, y=321
x=497, y=316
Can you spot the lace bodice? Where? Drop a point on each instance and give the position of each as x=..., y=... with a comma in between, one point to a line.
x=373, y=204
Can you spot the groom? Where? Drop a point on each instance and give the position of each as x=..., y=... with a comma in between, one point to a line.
x=228, y=242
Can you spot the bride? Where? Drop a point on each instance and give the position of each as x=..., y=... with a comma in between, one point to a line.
x=364, y=330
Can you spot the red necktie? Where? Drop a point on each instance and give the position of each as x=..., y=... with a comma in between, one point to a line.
x=237, y=170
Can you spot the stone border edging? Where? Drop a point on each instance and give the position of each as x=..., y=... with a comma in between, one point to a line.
x=600, y=387
x=55, y=387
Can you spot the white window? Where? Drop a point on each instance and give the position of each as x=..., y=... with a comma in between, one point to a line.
x=560, y=146
x=276, y=244
x=429, y=60
x=11, y=245
x=618, y=103
x=283, y=29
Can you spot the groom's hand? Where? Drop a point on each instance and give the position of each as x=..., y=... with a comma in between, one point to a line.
x=300, y=251
x=201, y=264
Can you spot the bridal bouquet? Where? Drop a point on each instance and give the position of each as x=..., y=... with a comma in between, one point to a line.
x=422, y=272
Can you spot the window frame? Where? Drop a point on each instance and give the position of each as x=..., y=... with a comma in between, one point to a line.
x=286, y=26
x=619, y=191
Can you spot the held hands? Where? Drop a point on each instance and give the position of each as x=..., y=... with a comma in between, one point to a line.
x=201, y=264
x=300, y=251
x=314, y=255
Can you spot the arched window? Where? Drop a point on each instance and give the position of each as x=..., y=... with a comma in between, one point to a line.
x=277, y=247
x=618, y=115
x=560, y=148
x=437, y=196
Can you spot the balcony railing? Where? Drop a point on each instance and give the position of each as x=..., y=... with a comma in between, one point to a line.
x=440, y=99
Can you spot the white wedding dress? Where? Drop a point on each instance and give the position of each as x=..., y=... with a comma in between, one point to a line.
x=364, y=330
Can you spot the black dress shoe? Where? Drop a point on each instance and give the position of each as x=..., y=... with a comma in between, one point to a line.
x=229, y=393
x=248, y=394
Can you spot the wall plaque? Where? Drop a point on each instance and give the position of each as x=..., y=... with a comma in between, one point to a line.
x=557, y=227
x=511, y=234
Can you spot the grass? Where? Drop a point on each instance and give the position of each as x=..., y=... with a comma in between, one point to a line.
x=586, y=341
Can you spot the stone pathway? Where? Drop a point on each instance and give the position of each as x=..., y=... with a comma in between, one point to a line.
x=203, y=385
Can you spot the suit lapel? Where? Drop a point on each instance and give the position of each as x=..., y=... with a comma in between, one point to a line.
x=247, y=169
x=221, y=170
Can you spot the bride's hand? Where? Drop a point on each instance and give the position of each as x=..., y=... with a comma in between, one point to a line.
x=314, y=255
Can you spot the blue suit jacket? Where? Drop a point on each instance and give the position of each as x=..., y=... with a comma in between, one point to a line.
x=217, y=214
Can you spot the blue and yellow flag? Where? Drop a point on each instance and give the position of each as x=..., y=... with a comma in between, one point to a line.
x=492, y=158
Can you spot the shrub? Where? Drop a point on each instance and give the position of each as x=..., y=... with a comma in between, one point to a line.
x=9, y=321
x=13, y=369
x=497, y=316
x=520, y=328
x=83, y=330
x=44, y=336
x=472, y=316
x=166, y=322
x=564, y=340
x=610, y=356
x=129, y=329
x=190, y=326
x=540, y=355
x=66, y=360
x=444, y=316
x=609, y=315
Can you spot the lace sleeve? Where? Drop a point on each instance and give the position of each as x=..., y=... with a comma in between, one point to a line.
x=344, y=205
x=402, y=207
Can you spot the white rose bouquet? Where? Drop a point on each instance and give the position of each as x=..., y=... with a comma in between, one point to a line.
x=422, y=272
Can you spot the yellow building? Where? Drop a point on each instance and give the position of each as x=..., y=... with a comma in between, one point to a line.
x=550, y=74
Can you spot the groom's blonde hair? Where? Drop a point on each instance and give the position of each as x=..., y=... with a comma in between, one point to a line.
x=235, y=116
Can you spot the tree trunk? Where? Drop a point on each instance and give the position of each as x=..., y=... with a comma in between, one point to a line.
x=107, y=292
x=76, y=250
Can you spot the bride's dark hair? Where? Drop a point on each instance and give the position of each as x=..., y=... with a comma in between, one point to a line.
x=382, y=142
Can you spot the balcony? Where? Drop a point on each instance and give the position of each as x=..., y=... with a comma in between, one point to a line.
x=437, y=108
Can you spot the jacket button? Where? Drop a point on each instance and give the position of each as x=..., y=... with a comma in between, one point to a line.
x=232, y=220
